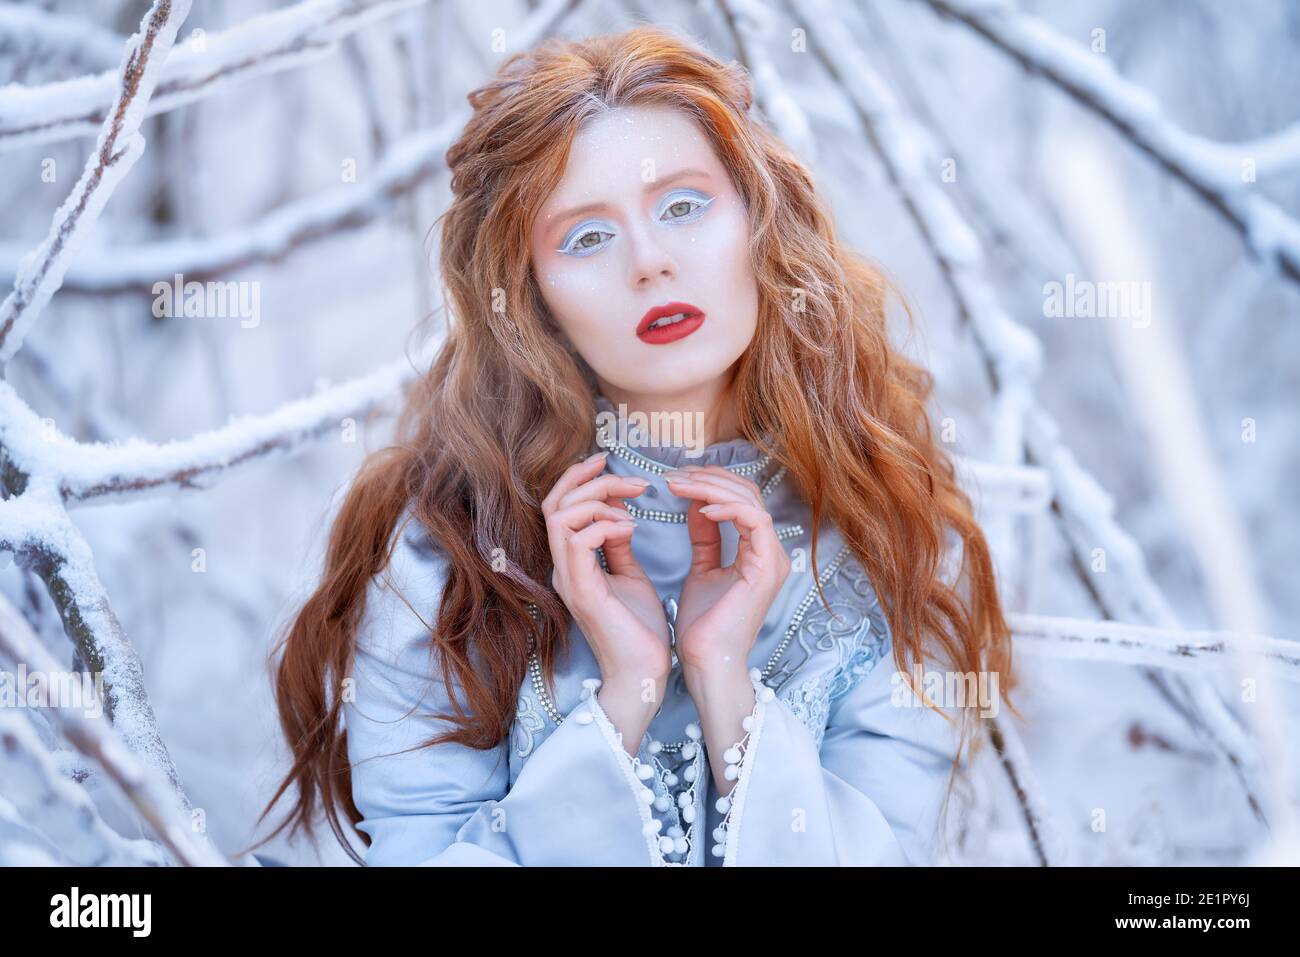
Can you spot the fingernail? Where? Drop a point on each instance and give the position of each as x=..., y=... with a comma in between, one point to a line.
x=592, y=458
x=637, y=480
x=708, y=509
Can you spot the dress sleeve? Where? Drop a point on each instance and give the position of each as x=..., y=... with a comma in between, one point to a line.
x=870, y=797
x=579, y=799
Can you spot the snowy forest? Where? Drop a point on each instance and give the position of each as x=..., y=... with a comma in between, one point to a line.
x=219, y=275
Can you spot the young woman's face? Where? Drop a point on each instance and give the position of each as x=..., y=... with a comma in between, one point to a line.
x=645, y=217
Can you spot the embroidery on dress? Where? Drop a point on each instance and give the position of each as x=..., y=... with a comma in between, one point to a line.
x=526, y=726
x=811, y=705
x=854, y=630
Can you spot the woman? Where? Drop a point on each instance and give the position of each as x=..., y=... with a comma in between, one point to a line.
x=655, y=655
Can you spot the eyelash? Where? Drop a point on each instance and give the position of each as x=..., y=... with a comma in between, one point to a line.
x=572, y=249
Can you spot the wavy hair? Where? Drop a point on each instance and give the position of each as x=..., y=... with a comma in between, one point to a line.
x=505, y=407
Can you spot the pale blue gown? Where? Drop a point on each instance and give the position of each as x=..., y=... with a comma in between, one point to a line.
x=840, y=767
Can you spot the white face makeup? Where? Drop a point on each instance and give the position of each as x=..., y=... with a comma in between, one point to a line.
x=647, y=216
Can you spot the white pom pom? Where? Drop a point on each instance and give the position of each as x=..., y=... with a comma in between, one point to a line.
x=732, y=755
x=688, y=815
x=647, y=796
x=666, y=845
x=688, y=750
x=748, y=723
x=693, y=731
x=731, y=773
x=655, y=747
x=723, y=804
x=680, y=845
x=584, y=717
x=645, y=772
x=651, y=827
x=690, y=774
x=719, y=850
x=663, y=803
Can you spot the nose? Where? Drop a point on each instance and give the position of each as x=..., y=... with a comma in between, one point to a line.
x=651, y=261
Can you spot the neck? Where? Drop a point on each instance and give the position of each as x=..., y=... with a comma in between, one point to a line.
x=710, y=408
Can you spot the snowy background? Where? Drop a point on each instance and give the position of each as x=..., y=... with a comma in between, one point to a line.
x=1162, y=148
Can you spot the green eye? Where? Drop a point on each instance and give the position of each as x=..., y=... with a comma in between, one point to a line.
x=685, y=209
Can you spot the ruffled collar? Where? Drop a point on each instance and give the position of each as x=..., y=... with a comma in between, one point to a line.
x=729, y=452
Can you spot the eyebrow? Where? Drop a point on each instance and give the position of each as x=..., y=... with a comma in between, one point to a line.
x=560, y=218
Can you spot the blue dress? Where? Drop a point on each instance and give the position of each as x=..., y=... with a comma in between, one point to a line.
x=841, y=765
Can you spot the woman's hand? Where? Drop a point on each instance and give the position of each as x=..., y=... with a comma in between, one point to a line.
x=721, y=610
x=619, y=612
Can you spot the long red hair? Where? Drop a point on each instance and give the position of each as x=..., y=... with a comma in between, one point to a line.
x=505, y=407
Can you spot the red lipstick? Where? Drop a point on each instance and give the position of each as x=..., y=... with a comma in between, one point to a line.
x=669, y=331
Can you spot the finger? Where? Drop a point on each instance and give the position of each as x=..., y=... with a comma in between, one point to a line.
x=706, y=492
x=755, y=526
x=562, y=524
x=607, y=486
x=619, y=556
x=706, y=540
x=747, y=491
x=584, y=567
x=576, y=517
x=571, y=478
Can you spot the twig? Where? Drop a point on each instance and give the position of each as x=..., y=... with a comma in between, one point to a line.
x=1211, y=170
x=281, y=40
x=1147, y=645
x=166, y=809
x=41, y=272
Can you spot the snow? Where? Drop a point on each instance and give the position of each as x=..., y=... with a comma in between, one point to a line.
x=239, y=420
x=1211, y=168
x=272, y=42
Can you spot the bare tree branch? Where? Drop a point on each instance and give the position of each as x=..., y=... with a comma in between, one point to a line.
x=1151, y=646
x=1211, y=170
x=41, y=272
x=1011, y=357
x=161, y=803
x=281, y=40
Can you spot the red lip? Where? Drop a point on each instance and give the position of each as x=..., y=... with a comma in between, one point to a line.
x=678, y=330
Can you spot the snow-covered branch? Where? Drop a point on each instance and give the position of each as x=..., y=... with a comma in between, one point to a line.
x=294, y=225
x=96, y=472
x=160, y=802
x=58, y=810
x=1145, y=645
x=751, y=25
x=408, y=163
x=1011, y=357
x=1021, y=489
x=269, y=43
x=1043, y=837
x=41, y=537
x=1213, y=170
x=119, y=145
x=29, y=35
